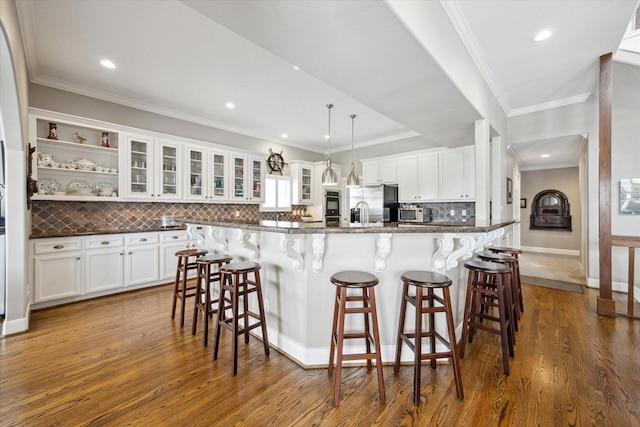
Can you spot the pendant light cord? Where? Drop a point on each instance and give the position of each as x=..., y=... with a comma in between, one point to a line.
x=329, y=106
x=353, y=155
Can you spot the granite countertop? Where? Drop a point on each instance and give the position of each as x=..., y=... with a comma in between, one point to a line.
x=292, y=227
x=96, y=231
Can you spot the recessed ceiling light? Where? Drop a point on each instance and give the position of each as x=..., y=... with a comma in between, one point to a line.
x=295, y=67
x=543, y=35
x=326, y=137
x=107, y=64
x=545, y=155
x=230, y=105
x=284, y=135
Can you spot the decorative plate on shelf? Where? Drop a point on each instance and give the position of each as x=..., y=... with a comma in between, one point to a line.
x=48, y=185
x=79, y=187
x=104, y=187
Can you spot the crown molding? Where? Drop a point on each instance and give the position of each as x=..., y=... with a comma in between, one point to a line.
x=549, y=105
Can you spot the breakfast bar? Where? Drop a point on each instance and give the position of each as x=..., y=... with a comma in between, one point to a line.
x=298, y=260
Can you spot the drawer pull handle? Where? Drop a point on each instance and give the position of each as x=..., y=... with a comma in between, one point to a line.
x=58, y=247
x=143, y=240
x=175, y=237
x=105, y=242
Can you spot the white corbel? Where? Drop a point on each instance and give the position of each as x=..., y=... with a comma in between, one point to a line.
x=217, y=236
x=317, y=244
x=195, y=233
x=244, y=236
x=383, y=244
x=465, y=251
x=287, y=245
x=445, y=248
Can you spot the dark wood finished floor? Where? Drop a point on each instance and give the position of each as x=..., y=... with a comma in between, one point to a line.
x=121, y=361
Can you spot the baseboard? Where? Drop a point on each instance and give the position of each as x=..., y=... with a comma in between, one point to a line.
x=312, y=358
x=16, y=326
x=554, y=251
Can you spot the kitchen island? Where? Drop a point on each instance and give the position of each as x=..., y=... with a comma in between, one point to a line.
x=298, y=260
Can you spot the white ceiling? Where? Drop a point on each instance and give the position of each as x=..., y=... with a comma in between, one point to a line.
x=188, y=59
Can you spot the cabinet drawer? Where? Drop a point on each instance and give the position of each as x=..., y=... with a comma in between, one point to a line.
x=178, y=236
x=104, y=242
x=144, y=239
x=58, y=245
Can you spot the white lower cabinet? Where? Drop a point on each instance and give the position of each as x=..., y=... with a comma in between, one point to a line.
x=57, y=269
x=69, y=269
x=103, y=263
x=141, y=264
x=170, y=243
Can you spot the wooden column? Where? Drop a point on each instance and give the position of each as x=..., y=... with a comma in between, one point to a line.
x=606, y=305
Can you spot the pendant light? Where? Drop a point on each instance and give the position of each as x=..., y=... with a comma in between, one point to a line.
x=329, y=176
x=353, y=180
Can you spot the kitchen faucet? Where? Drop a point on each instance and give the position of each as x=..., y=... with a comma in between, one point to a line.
x=364, y=212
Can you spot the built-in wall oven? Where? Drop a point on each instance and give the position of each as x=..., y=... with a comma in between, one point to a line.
x=332, y=208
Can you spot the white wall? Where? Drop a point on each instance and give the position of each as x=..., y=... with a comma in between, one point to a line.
x=13, y=113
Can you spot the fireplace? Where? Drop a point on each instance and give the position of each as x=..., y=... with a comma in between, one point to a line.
x=550, y=211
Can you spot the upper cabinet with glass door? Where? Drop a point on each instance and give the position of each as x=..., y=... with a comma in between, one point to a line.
x=196, y=172
x=247, y=174
x=153, y=169
x=169, y=170
x=218, y=175
x=138, y=161
x=73, y=160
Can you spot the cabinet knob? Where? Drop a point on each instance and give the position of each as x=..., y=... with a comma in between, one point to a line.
x=130, y=253
x=175, y=237
x=144, y=239
x=77, y=258
x=104, y=243
x=58, y=247
x=121, y=253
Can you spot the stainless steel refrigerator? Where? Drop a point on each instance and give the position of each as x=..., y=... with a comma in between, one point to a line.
x=382, y=201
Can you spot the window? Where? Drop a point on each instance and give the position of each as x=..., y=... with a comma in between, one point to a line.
x=277, y=194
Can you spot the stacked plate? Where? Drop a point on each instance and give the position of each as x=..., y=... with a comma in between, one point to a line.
x=80, y=188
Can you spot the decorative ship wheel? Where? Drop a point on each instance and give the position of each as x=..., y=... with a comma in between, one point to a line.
x=275, y=161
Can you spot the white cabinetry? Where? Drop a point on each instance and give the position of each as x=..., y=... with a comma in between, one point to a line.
x=379, y=171
x=457, y=174
x=247, y=175
x=196, y=166
x=170, y=243
x=103, y=263
x=168, y=170
x=418, y=178
x=152, y=168
x=60, y=145
x=217, y=186
x=57, y=268
x=301, y=182
x=141, y=263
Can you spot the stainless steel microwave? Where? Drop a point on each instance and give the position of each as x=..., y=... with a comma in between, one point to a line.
x=414, y=215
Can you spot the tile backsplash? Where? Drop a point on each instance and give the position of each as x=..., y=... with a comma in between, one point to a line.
x=441, y=211
x=75, y=217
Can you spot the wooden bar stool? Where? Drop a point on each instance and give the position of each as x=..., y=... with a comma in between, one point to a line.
x=427, y=281
x=182, y=290
x=486, y=286
x=208, y=273
x=234, y=279
x=365, y=282
x=513, y=282
x=514, y=252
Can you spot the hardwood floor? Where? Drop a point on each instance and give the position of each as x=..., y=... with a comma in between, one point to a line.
x=121, y=360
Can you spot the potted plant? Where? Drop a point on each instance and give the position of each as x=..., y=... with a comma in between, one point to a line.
x=305, y=217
